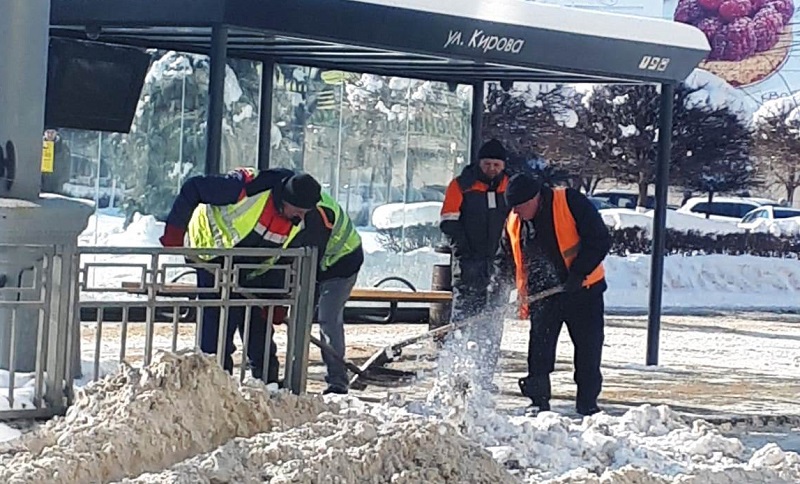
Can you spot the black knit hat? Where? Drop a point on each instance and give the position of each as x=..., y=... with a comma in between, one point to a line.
x=521, y=188
x=492, y=149
x=302, y=191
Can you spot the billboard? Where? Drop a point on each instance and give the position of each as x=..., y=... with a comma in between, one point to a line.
x=751, y=42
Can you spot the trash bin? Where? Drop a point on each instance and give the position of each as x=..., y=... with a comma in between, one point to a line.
x=441, y=281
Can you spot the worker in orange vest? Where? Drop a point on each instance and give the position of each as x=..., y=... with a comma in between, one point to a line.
x=555, y=236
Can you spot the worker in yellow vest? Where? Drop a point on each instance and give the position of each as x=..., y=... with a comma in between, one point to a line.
x=555, y=236
x=341, y=256
x=245, y=208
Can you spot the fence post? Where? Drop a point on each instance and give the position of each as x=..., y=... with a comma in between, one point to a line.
x=297, y=358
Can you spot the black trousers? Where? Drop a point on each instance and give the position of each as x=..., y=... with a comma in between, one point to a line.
x=470, y=283
x=583, y=314
x=256, y=345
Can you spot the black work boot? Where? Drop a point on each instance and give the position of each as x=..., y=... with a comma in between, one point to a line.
x=537, y=388
x=587, y=408
x=335, y=389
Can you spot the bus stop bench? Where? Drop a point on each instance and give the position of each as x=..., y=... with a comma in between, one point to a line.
x=359, y=294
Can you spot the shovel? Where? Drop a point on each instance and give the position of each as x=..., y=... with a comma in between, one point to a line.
x=378, y=376
x=387, y=354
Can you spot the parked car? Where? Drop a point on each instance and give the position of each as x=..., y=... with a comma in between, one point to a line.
x=765, y=215
x=623, y=199
x=600, y=203
x=723, y=208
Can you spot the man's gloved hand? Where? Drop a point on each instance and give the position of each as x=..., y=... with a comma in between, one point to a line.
x=279, y=314
x=173, y=236
x=574, y=282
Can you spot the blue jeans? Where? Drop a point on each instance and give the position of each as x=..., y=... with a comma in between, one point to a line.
x=333, y=295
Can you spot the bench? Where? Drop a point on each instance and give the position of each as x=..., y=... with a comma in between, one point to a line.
x=359, y=294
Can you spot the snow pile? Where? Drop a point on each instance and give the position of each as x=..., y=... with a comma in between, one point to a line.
x=715, y=93
x=620, y=218
x=186, y=415
x=709, y=281
x=7, y=433
x=24, y=390
x=142, y=420
x=397, y=215
x=646, y=445
x=107, y=231
x=781, y=110
x=183, y=419
x=355, y=445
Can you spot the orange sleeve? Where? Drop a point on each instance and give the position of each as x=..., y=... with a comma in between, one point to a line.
x=451, y=207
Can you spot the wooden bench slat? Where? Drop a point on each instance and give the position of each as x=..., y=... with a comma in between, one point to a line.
x=357, y=294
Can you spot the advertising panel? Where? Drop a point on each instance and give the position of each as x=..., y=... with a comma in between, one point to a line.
x=752, y=44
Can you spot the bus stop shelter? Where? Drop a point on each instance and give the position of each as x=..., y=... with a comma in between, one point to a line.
x=466, y=42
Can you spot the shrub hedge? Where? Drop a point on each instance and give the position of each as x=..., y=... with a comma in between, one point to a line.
x=631, y=240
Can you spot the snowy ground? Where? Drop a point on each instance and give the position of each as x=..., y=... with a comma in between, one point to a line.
x=740, y=374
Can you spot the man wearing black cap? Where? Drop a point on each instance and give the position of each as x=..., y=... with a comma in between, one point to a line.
x=245, y=208
x=555, y=236
x=472, y=218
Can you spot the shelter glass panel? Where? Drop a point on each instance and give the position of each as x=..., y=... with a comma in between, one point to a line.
x=385, y=148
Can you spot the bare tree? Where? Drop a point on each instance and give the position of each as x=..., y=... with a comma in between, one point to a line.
x=777, y=142
x=710, y=144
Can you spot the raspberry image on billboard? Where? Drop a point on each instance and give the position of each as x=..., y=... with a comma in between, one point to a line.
x=749, y=39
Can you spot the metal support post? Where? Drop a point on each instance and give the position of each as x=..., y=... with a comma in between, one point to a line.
x=216, y=98
x=300, y=329
x=265, y=113
x=659, y=222
x=476, y=120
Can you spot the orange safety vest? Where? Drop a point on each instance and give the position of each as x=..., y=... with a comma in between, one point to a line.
x=569, y=243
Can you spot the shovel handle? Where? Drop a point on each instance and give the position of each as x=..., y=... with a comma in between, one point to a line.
x=545, y=294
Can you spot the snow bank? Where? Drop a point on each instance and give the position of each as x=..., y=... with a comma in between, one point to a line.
x=621, y=218
x=715, y=93
x=186, y=420
x=141, y=420
x=397, y=215
x=7, y=433
x=709, y=281
x=183, y=419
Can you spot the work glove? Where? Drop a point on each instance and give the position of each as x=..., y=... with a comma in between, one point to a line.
x=279, y=314
x=173, y=236
x=574, y=282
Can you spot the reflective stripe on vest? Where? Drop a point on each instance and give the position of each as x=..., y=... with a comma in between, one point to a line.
x=344, y=237
x=224, y=227
x=568, y=244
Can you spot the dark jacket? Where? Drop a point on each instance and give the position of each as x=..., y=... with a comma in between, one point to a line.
x=473, y=214
x=543, y=260
x=228, y=189
x=316, y=234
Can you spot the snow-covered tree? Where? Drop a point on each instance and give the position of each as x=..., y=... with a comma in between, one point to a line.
x=535, y=122
x=716, y=159
x=167, y=141
x=710, y=139
x=777, y=142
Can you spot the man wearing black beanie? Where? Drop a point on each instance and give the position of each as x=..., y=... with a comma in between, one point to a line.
x=472, y=217
x=555, y=236
x=249, y=209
